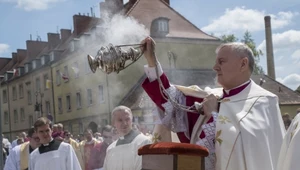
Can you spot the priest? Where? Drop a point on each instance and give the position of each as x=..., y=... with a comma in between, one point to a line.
x=87, y=147
x=290, y=150
x=19, y=156
x=241, y=127
x=123, y=153
x=52, y=154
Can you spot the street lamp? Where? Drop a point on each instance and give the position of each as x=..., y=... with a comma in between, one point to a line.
x=38, y=107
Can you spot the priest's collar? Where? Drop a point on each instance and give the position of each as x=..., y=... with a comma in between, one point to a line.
x=30, y=149
x=128, y=138
x=51, y=141
x=52, y=146
x=236, y=90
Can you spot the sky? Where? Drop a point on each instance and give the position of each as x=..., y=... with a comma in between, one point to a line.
x=20, y=18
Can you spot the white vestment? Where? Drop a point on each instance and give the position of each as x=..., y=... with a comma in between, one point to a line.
x=290, y=149
x=13, y=160
x=64, y=158
x=249, y=131
x=125, y=157
x=14, y=143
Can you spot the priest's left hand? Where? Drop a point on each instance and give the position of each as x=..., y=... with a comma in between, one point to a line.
x=210, y=104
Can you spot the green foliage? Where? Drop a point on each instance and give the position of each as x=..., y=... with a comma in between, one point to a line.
x=298, y=89
x=229, y=38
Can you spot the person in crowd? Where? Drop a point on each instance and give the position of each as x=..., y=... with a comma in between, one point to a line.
x=129, y=142
x=98, y=154
x=86, y=147
x=19, y=156
x=290, y=150
x=52, y=154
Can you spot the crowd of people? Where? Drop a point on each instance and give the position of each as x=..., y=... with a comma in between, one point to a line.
x=240, y=124
x=90, y=151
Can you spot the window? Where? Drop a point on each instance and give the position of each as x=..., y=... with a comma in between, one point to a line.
x=29, y=97
x=21, y=91
x=46, y=84
x=16, y=116
x=80, y=127
x=101, y=95
x=76, y=69
x=14, y=93
x=160, y=27
x=26, y=68
x=33, y=64
x=48, y=109
x=87, y=67
x=163, y=26
x=70, y=128
x=78, y=100
x=89, y=97
x=38, y=84
x=59, y=105
x=5, y=117
x=66, y=74
x=30, y=119
x=52, y=56
x=82, y=41
x=68, y=99
x=4, y=96
x=22, y=114
x=43, y=60
x=58, y=77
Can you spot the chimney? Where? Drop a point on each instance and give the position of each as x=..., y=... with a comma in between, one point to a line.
x=4, y=62
x=21, y=54
x=14, y=57
x=34, y=48
x=84, y=23
x=53, y=40
x=65, y=34
x=269, y=48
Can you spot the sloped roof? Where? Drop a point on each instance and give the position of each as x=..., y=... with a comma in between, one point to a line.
x=145, y=11
x=204, y=78
x=285, y=94
x=9, y=66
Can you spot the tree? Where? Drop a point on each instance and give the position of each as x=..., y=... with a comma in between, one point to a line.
x=298, y=89
x=247, y=39
x=257, y=53
x=229, y=38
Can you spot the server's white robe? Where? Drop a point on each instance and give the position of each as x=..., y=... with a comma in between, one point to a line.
x=61, y=158
x=18, y=157
x=13, y=160
x=290, y=149
x=125, y=156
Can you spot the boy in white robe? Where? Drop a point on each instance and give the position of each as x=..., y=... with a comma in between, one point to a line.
x=290, y=150
x=52, y=154
x=123, y=153
x=19, y=156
